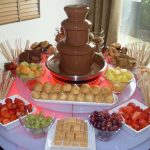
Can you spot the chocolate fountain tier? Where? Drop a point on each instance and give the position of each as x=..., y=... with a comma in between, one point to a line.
x=75, y=60
x=98, y=66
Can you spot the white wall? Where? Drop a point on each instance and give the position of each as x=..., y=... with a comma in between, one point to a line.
x=43, y=28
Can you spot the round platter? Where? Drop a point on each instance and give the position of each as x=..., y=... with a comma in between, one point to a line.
x=53, y=63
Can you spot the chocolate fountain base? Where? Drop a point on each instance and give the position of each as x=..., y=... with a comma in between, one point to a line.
x=53, y=62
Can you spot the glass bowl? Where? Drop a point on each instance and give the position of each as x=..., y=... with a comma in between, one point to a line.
x=118, y=87
x=36, y=132
x=30, y=82
x=104, y=135
x=101, y=132
x=25, y=77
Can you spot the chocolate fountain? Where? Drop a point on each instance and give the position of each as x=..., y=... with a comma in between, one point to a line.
x=76, y=59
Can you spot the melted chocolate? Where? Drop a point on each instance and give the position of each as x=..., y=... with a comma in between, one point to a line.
x=76, y=53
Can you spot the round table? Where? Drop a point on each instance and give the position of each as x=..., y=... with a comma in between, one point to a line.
x=17, y=138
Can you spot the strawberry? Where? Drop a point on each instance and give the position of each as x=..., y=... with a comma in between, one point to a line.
x=14, y=106
x=4, y=108
x=21, y=108
x=29, y=107
x=5, y=114
x=137, y=108
x=11, y=111
x=147, y=110
x=13, y=117
x=0, y=106
x=136, y=126
x=8, y=100
x=1, y=119
x=9, y=105
x=5, y=121
x=142, y=122
x=136, y=115
x=128, y=109
x=131, y=104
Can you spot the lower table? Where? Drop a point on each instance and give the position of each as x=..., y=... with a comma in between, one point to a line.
x=19, y=139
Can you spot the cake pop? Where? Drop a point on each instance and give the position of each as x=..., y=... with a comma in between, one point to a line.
x=44, y=95
x=35, y=94
x=75, y=89
x=71, y=97
x=67, y=87
x=47, y=87
x=85, y=88
x=38, y=87
x=81, y=97
x=95, y=90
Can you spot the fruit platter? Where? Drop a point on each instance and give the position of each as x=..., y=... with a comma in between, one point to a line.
x=12, y=108
x=69, y=102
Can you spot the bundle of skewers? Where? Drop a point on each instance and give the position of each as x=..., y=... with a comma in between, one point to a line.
x=11, y=54
x=140, y=51
x=6, y=81
x=143, y=76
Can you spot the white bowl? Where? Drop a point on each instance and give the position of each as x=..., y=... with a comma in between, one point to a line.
x=16, y=122
x=126, y=127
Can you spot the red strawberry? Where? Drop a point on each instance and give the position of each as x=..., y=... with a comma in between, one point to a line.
x=8, y=100
x=136, y=115
x=29, y=107
x=14, y=105
x=5, y=114
x=131, y=104
x=4, y=108
x=9, y=105
x=147, y=110
x=128, y=109
x=12, y=111
x=143, y=122
x=13, y=117
x=21, y=108
x=1, y=106
x=5, y=121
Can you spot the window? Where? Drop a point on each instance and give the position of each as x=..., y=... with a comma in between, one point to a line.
x=135, y=21
x=18, y=10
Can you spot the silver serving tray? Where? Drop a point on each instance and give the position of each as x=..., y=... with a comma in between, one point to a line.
x=53, y=63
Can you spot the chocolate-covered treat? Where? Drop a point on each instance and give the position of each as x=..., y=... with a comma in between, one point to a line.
x=30, y=56
x=116, y=45
x=43, y=46
x=119, y=56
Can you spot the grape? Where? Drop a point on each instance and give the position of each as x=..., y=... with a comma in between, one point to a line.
x=37, y=121
x=106, y=122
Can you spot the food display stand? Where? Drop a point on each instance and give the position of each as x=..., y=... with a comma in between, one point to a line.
x=78, y=64
x=19, y=139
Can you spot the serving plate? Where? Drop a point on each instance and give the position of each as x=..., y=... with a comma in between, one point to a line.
x=53, y=63
x=16, y=122
x=79, y=103
x=126, y=127
x=50, y=137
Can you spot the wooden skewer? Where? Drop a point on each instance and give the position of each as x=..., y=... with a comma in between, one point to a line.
x=144, y=84
x=10, y=49
x=8, y=87
x=6, y=81
x=5, y=55
x=140, y=51
x=7, y=51
x=3, y=51
x=27, y=45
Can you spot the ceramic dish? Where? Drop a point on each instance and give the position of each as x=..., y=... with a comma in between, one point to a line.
x=126, y=127
x=16, y=122
x=50, y=137
x=77, y=102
